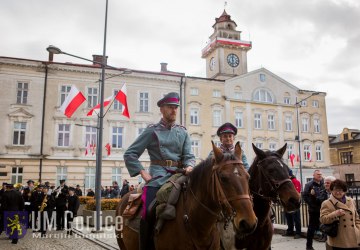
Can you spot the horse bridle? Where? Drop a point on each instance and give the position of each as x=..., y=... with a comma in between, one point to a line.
x=227, y=211
x=275, y=185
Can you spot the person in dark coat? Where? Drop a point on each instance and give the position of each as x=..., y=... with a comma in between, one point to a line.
x=27, y=196
x=90, y=193
x=2, y=191
x=78, y=191
x=35, y=201
x=73, y=206
x=12, y=201
x=46, y=208
x=314, y=195
x=61, y=194
x=125, y=188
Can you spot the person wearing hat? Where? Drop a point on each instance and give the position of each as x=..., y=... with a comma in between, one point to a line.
x=30, y=185
x=2, y=191
x=73, y=206
x=61, y=194
x=46, y=208
x=35, y=201
x=169, y=147
x=227, y=133
x=12, y=201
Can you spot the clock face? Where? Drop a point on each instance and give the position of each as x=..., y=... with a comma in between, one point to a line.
x=212, y=64
x=233, y=60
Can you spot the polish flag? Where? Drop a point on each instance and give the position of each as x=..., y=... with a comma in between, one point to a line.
x=73, y=100
x=88, y=148
x=292, y=157
x=297, y=158
x=309, y=156
x=92, y=147
x=108, y=149
x=122, y=98
x=107, y=101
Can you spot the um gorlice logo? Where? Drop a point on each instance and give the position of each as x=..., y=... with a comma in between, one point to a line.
x=15, y=224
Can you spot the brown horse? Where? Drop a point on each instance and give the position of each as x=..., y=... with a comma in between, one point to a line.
x=269, y=182
x=217, y=187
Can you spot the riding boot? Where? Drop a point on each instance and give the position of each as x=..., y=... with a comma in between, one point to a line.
x=146, y=240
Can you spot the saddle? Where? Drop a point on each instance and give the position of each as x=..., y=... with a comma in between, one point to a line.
x=133, y=206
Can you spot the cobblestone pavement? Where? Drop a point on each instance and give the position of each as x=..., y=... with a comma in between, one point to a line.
x=286, y=243
x=54, y=241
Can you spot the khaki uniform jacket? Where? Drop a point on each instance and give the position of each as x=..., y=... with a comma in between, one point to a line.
x=349, y=227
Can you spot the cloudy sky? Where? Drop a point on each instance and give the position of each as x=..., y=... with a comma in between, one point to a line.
x=313, y=44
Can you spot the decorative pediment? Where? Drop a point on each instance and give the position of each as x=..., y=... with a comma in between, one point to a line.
x=20, y=113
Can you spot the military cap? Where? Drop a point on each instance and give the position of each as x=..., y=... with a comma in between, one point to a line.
x=62, y=181
x=29, y=181
x=227, y=128
x=9, y=185
x=171, y=98
x=4, y=183
x=71, y=189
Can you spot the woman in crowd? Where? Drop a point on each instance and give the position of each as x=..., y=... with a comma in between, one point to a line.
x=342, y=208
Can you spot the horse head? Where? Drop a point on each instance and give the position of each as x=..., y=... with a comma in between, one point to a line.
x=270, y=178
x=233, y=189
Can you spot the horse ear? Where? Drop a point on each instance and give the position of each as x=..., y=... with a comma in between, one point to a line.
x=282, y=150
x=238, y=151
x=217, y=153
x=259, y=153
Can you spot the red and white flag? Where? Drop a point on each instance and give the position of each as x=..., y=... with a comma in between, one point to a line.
x=73, y=100
x=107, y=101
x=108, y=149
x=88, y=148
x=292, y=157
x=309, y=156
x=92, y=148
x=122, y=98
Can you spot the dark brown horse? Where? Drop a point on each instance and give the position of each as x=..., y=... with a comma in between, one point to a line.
x=217, y=187
x=269, y=182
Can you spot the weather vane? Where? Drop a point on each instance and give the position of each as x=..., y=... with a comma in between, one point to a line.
x=225, y=3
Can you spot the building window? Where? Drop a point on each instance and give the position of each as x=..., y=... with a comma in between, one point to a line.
x=195, y=148
x=305, y=124
x=290, y=148
x=116, y=175
x=92, y=99
x=263, y=95
x=61, y=174
x=287, y=100
x=194, y=91
x=307, y=153
x=19, y=133
x=303, y=103
x=257, y=121
x=216, y=118
x=271, y=122
x=90, y=135
x=16, y=175
x=216, y=93
x=272, y=146
x=319, y=154
x=89, y=178
x=194, y=116
x=349, y=178
x=117, y=104
x=65, y=90
x=22, y=92
x=316, y=125
x=346, y=137
x=288, y=123
x=144, y=102
x=117, y=136
x=259, y=145
x=64, y=135
x=237, y=93
x=346, y=157
x=262, y=77
x=315, y=103
x=239, y=119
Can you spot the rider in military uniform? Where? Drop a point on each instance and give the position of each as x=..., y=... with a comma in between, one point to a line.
x=169, y=148
x=227, y=133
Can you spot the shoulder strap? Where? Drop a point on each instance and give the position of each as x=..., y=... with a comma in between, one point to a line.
x=333, y=204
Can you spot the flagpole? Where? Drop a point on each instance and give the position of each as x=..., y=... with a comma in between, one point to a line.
x=100, y=133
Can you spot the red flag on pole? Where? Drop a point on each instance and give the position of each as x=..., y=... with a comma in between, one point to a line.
x=122, y=98
x=297, y=158
x=88, y=148
x=292, y=157
x=107, y=101
x=108, y=149
x=73, y=100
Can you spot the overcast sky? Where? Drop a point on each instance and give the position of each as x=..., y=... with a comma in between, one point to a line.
x=313, y=44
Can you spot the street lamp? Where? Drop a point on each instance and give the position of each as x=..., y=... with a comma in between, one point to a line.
x=297, y=105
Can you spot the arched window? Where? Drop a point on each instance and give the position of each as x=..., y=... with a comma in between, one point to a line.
x=263, y=95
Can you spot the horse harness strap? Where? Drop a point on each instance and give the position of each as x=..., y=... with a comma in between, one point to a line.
x=228, y=162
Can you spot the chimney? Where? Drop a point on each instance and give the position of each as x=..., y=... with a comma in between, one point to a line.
x=98, y=60
x=163, y=67
x=51, y=56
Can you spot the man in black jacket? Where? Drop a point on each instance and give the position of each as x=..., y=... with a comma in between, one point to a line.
x=61, y=194
x=73, y=206
x=314, y=195
x=12, y=201
x=124, y=189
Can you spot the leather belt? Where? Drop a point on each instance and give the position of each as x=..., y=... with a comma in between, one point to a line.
x=167, y=163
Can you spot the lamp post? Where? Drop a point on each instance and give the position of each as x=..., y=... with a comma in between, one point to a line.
x=298, y=105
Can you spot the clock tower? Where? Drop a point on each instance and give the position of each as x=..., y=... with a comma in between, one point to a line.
x=225, y=53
